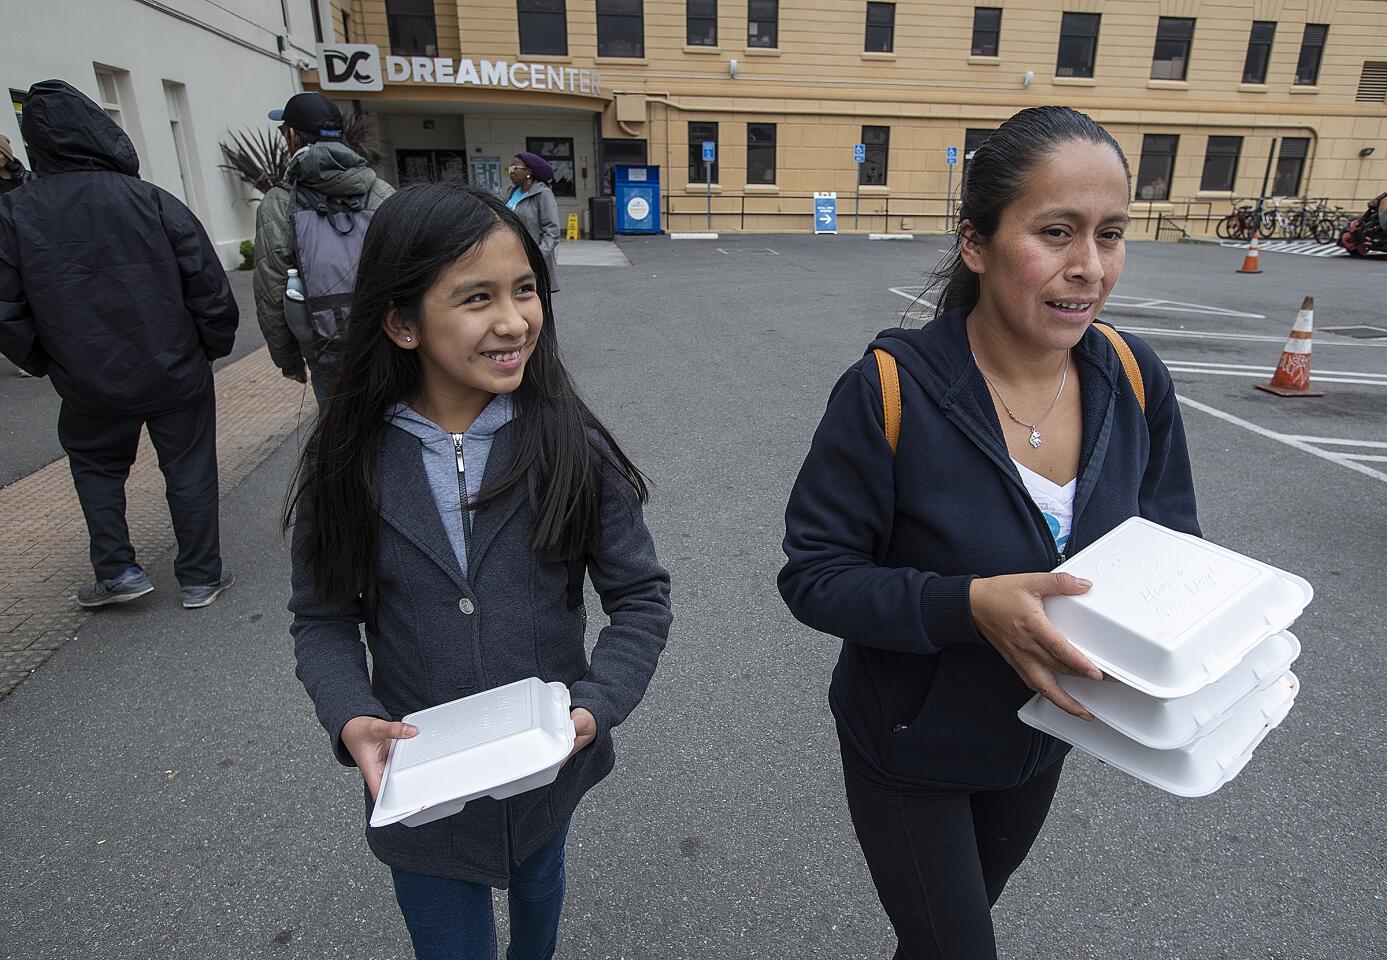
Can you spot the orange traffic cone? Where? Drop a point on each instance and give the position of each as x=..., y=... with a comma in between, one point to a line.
x=1251, y=263
x=1292, y=376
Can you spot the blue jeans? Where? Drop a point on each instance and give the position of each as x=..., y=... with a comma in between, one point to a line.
x=453, y=919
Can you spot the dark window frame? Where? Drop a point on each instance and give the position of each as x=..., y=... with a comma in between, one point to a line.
x=1174, y=35
x=880, y=35
x=767, y=35
x=706, y=18
x=1283, y=184
x=873, y=172
x=614, y=18
x=1080, y=30
x=1312, y=44
x=1222, y=155
x=982, y=30
x=696, y=150
x=1258, y=60
x=607, y=163
x=757, y=151
x=562, y=187
x=1159, y=162
x=533, y=44
x=407, y=15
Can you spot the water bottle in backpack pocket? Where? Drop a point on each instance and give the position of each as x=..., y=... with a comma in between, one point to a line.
x=328, y=233
x=296, y=308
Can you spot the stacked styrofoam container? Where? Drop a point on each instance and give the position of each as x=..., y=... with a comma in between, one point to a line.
x=1194, y=641
x=496, y=743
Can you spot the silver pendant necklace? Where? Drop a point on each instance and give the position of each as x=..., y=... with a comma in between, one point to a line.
x=1032, y=427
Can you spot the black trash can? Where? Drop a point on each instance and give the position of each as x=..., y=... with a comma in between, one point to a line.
x=602, y=218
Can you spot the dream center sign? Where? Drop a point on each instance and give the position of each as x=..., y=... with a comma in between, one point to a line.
x=357, y=66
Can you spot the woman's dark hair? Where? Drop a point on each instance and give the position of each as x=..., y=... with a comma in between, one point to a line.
x=996, y=174
x=413, y=236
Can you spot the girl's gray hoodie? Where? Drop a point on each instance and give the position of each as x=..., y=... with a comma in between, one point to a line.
x=439, y=450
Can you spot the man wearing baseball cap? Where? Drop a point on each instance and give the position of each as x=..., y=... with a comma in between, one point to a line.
x=323, y=172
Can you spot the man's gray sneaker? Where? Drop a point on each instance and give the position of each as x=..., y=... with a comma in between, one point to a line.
x=130, y=585
x=195, y=597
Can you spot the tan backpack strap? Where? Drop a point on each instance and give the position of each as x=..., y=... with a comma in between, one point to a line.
x=890, y=396
x=1129, y=362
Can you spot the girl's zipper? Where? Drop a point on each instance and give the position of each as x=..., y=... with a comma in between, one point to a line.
x=462, y=499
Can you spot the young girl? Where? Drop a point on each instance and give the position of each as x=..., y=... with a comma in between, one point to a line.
x=451, y=393
x=1022, y=438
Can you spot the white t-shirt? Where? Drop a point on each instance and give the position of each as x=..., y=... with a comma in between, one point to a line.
x=1054, y=501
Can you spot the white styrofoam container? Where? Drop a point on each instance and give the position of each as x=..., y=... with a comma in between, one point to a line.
x=1169, y=613
x=497, y=743
x=1195, y=770
x=1166, y=724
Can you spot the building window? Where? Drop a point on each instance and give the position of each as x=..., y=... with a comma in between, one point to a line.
x=1171, y=59
x=872, y=171
x=1221, y=163
x=1157, y=165
x=1290, y=164
x=413, y=30
x=1078, y=45
x=972, y=139
x=760, y=153
x=108, y=86
x=620, y=28
x=559, y=152
x=987, y=31
x=698, y=133
x=317, y=21
x=176, y=99
x=413, y=166
x=543, y=26
x=620, y=153
x=702, y=23
x=1372, y=82
x=881, y=27
x=1307, y=70
x=763, y=23
x=1259, y=51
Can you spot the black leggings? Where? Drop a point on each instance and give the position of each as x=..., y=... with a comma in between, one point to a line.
x=940, y=858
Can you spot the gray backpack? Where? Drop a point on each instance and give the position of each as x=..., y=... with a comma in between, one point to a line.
x=327, y=233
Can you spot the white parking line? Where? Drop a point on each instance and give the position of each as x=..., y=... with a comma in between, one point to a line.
x=1247, y=337
x=1343, y=460
x=1255, y=371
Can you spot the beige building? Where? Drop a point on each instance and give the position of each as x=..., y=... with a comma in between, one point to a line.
x=1207, y=97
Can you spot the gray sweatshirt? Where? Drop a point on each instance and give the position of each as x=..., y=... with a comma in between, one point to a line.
x=439, y=450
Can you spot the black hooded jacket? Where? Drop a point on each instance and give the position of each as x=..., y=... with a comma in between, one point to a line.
x=881, y=549
x=108, y=284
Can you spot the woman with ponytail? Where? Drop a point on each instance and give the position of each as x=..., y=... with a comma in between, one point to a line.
x=1022, y=438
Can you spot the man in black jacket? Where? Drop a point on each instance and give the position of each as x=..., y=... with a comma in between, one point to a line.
x=110, y=286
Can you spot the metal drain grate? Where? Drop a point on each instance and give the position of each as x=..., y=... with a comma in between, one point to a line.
x=1360, y=332
x=749, y=251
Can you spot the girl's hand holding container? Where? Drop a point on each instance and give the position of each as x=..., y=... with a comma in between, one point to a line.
x=367, y=739
x=584, y=730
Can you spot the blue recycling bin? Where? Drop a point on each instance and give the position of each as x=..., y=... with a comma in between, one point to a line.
x=637, y=190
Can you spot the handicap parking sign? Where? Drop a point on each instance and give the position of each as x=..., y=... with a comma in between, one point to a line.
x=951, y=155
x=859, y=153
x=709, y=151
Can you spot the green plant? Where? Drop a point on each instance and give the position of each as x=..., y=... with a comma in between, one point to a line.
x=247, y=255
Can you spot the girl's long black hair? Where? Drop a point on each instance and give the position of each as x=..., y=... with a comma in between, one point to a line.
x=413, y=236
x=998, y=173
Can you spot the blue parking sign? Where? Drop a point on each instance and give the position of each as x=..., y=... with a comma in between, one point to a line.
x=951, y=155
x=710, y=148
x=859, y=153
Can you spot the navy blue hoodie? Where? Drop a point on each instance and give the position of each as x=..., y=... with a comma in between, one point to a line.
x=881, y=549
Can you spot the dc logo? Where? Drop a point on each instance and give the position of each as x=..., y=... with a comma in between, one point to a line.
x=349, y=66
x=343, y=69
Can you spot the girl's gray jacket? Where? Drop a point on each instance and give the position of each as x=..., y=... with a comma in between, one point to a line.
x=437, y=633
x=539, y=211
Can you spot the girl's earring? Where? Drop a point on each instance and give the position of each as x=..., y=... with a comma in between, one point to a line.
x=409, y=339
